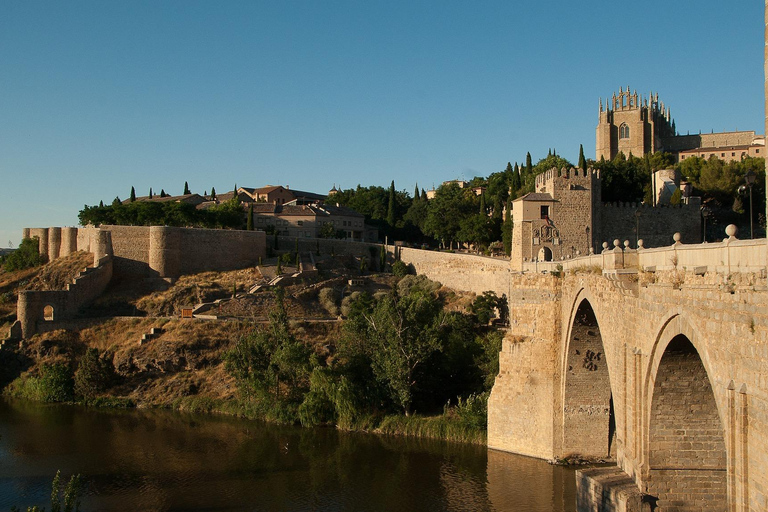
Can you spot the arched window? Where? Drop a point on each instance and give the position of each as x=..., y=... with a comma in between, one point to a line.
x=48, y=313
x=623, y=131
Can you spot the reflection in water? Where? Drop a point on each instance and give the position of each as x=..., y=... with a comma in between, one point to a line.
x=162, y=460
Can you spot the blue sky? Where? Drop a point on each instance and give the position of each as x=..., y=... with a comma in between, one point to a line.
x=96, y=97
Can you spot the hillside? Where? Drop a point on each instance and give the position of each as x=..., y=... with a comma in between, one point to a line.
x=185, y=358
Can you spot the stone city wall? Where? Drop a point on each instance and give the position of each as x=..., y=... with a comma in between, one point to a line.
x=326, y=245
x=656, y=224
x=462, y=272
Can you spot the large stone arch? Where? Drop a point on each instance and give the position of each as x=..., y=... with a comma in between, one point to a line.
x=588, y=419
x=684, y=450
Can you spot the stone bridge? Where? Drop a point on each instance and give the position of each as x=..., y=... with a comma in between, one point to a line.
x=656, y=359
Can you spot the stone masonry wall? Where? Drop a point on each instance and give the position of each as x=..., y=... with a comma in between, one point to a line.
x=657, y=224
x=464, y=272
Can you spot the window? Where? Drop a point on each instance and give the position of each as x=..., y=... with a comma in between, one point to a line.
x=722, y=155
x=757, y=151
x=544, y=211
x=733, y=154
x=300, y=223
x=623, y=131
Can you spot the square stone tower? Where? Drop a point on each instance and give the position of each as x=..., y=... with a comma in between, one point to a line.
x=632, y=124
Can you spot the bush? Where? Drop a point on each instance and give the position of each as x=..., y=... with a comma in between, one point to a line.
x=27, y=255
x=94, y=375
x=53, y=384
x=56, y=384
x=327, y=298
x=411, y=282
x=346, y=303
x=473, y=412
x=399, y=269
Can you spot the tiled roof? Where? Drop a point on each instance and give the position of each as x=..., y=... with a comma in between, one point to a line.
x=535, y=196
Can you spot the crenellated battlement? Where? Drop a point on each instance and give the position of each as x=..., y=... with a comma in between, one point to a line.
x=554, y=179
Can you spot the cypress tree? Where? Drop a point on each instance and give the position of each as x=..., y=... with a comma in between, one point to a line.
x=416, y=196
x=213, y=192
x=162, y=193
x=391, y=206
x=101, y=204
x=424, y=195
x=582, y=160
x=528, y=164
x=186, y=189
x=150, y=192
x=483, y=209
x=249, y=222
x=133, y=194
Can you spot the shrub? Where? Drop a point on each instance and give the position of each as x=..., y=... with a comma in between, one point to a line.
x=399, y=269
x=412, y=282
x=346, y=303
x=94, y=374
x=473, y=412
x=327, y=298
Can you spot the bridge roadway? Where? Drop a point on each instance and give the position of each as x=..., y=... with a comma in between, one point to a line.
x=656, y=359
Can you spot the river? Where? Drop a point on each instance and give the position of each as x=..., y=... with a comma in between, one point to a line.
x=136, y=460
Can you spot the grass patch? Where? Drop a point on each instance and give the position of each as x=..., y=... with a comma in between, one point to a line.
x=447, y=427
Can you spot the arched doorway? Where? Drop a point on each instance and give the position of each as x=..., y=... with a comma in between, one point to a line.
x=545, y=254
x=48, y=313
x=588, y=420
x=687, y=458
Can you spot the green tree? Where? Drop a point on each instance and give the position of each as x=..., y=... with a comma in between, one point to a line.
x=150, y=192
x=26, y=255
x=506, y=230
x=270, y=365
x=582, y=160
x=249, y=224
x=94, y=374
x=133, y=194
x=446, y=211
x=213, y=193
x=186, y=189
x=400, y=334
x=391, y=205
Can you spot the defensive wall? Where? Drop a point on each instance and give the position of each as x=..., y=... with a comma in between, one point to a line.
x=37, y=311
x=654, y=225
x=463, y=272
x=159, y=251
x=128, y=252
x=654, y=358
x=339, y=247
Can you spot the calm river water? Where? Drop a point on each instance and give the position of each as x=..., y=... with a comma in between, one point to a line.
x=163, y=460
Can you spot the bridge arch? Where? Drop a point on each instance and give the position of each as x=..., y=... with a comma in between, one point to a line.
x=685, y=459
x=588, y=419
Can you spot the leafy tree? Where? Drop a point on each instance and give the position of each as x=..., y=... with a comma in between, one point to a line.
x=26, y=255
x=94, y=374
x=446, y=211
x=484, y=307
x=55, y=383
x=677, y=197
x=186, y=189
x=270, y=365
x=400, y=334
x=327, y=230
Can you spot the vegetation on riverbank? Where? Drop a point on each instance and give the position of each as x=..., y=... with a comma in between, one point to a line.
x=410, y=357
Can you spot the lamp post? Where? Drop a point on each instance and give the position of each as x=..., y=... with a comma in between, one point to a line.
x=637, y=226
x=705, y=213
x=750, y=179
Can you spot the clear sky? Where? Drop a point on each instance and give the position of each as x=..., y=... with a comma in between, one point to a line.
x=96, y=97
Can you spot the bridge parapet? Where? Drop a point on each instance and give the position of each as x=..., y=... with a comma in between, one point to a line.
x=727, y=257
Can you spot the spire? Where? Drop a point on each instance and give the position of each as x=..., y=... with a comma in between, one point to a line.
x=601, y=105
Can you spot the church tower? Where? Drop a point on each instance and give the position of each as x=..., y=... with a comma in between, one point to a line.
x=631, y=124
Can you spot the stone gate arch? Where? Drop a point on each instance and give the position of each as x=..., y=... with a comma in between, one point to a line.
x=685, y=455
x=588, y=419
x=48, y=312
